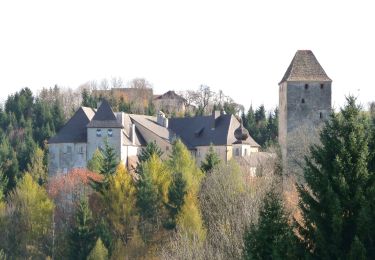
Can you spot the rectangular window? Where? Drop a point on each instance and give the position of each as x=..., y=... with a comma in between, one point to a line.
x=110, y=133
x=237, y=152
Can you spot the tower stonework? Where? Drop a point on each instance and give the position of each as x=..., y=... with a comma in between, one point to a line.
x=304, y=104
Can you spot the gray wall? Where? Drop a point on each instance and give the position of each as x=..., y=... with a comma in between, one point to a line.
x=302, y=111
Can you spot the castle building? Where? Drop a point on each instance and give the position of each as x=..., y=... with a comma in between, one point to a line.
x=304, y=104
x=74, y=145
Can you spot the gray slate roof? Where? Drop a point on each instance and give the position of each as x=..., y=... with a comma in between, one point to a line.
x=75, y=131
x=198, y=131
x=305, y=67
x=105, y=117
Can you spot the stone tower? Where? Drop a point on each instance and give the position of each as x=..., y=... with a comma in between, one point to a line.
x=304, y=103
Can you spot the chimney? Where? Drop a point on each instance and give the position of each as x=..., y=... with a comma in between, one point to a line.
x=162, y=119
x=215, y=115
x=132, y=135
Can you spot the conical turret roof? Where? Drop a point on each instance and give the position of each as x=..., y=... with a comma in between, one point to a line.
x=105, y=117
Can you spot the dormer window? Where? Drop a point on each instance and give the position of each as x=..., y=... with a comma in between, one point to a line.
x=98, y=132
x=109, y=132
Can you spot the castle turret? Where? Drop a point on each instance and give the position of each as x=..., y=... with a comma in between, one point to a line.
x=304, y=103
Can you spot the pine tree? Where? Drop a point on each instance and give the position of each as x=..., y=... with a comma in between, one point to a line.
x=82, y=236
x=211, y=160
x=272, y=237
x=110, y=161
x=176, y=196
x=99, y=252
x=337, y=202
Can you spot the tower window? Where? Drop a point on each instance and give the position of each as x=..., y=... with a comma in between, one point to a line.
x=303, y=101
x=98, y=132
x=110, y=133
x=321, y=86
x=306, y=86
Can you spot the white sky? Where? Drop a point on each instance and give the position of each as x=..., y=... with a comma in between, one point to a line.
x=241, y=47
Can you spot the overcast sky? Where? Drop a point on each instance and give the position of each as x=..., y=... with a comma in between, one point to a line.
x=240, y=47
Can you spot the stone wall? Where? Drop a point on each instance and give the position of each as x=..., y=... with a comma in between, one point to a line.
x=65, y=156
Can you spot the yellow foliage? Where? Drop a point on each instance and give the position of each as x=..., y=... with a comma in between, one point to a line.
x=189, y=220
x=160, y=175
x=120, y=200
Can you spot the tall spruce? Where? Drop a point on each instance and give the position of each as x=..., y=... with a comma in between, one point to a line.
x=337, y=201
x=82, y=235
x=176, y=195
x=271, y=237
x=151, y=149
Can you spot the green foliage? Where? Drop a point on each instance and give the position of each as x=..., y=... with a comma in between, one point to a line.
x=99, y=252
x=96, y=161
x=337, y=202
x=8, y=166
x=82, y=235
x=110, y=161
x=37, y=169
x=272, y=237
x=30, y=222
x=151, y=149
x=176, y=197
x=263, y=129
x=88, y=100
x=211, y=160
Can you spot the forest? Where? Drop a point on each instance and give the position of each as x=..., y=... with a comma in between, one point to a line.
x=169, y=207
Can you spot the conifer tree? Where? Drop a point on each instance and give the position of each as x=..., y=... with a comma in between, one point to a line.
x=271, y=237
x=99, y=252
x=151, y=149
x=110, y=161
x=211, y=160
x=337, y=202
x=96, y=161
x=82, y=235
x=36, y=168
x=176, y=196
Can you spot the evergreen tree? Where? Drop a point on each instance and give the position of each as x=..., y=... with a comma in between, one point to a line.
x=82, y=235
x=36, y=168
x=211, y=160
x=99, y=252
x=337, y=202
x=272, y=237
x=176, y=195
x=110, y=161
x=3, y=256
x=8, y=165
x=96, y=161
x=151, y=149
x=147, y=196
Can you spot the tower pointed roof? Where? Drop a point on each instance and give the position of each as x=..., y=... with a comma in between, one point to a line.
x=105, y=117
x=305, y=67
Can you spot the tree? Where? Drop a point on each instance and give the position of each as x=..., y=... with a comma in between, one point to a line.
x=96, y=161
x=189, y=219
x=176, y=195
x=271, y=237
x=29, y=220
x=120, y=202
x=337, y=201
x=151, y=149
x=211, y=160
x=82, y=235
x=8, y=165
x=110, y=161
x=99, y=252
x=36, y=168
